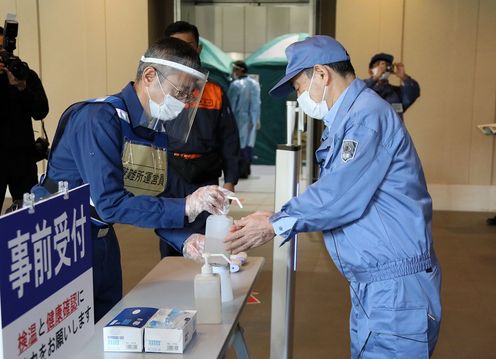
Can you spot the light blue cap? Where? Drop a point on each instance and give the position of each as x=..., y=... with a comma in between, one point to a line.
x=302, y=55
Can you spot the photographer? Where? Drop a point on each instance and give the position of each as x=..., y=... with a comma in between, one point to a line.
x=20, y=100
x=401, y=97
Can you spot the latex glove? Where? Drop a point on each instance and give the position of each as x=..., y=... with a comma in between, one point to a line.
x=249, y=232
x=194, y=247
x=208, y=198
x=228, y=195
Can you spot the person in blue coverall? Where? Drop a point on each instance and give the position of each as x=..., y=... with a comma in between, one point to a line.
x=370, y=202
x=212, y=148
x=401, y=97
x=118, y=145
x=244, y=95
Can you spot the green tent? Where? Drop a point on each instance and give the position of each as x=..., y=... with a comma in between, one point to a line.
x=269, y=62
x=217, y=62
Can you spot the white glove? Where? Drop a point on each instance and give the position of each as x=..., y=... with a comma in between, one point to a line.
x=208, y=198
x=194, y=246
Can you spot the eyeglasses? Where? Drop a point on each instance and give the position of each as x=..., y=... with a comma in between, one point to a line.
x=181, y=95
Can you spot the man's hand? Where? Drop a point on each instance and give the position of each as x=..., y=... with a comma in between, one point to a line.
x=249, y=232
x=19, y=84
x=400, y=71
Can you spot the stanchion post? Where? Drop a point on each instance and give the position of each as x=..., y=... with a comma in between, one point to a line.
x=288, y=167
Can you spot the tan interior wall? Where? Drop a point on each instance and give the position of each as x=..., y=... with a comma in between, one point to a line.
x=449, y=46
x=84, y=49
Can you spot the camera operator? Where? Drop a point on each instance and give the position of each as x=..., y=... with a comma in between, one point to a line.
x=401, y=97
x=20, y=100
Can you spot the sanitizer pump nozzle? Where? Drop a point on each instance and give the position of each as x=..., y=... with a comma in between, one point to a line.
x=225, y=276
x=206, y=267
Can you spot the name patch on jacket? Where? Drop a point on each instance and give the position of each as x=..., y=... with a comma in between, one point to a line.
x=144, y=169
x=348, y=150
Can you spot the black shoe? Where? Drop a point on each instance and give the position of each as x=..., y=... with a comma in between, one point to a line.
x=491, y=221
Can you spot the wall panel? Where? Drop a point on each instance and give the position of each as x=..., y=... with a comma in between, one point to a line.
x=439, y=49
x=73, y=53
x=450, y=48
x=255, y=27
x=368, y=27
x=482, y=151
x=126, y=30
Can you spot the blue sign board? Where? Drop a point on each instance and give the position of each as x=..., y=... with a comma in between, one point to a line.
x=42, y=252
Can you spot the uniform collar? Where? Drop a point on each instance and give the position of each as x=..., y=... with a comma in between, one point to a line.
x=134, y=107
x=348, y=97
x=331, y=115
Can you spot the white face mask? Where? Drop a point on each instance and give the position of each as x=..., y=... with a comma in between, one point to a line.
x=383, y=77
x=310, y=107
x=168, y=110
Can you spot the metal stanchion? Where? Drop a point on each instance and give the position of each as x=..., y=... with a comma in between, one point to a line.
x=288, y=162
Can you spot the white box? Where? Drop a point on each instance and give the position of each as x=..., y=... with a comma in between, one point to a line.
x=124, y=333
x=171, y=340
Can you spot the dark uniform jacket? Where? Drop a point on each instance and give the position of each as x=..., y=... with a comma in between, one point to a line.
x=212, y=149
x=16, y=110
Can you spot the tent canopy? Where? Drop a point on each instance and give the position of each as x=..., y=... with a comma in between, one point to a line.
x=273, y=52
x=217, y=62
x=269, y=62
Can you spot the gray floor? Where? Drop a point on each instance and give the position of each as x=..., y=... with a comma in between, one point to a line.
x=465, y=245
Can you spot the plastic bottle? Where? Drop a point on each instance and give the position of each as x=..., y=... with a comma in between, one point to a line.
x=217, y=228
x=208, y=295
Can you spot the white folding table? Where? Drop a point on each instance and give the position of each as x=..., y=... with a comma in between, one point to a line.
x=170, y=284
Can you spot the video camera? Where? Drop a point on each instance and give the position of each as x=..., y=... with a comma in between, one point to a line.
x=14, y=64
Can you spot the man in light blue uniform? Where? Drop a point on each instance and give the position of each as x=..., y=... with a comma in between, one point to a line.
x=370, y=202
x=118, y=145
x=244, y=95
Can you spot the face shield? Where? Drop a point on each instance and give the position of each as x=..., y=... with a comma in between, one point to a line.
x=174, y=97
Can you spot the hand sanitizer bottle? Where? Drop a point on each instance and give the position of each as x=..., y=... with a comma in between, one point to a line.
x=217, y=228
x=208, y=295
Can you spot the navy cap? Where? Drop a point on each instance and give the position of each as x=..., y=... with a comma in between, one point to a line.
x=381, y=57
x=305, y=54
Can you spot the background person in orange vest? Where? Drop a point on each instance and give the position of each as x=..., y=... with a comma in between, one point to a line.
x=212, y=149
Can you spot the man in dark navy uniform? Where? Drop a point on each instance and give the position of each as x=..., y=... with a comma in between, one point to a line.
x=212, y=149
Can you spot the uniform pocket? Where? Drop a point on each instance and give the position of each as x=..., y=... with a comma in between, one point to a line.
x=398, y=321
x=397, y=333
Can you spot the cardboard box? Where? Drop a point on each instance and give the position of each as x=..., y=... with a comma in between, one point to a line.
x=124, y=333
x=172, y=338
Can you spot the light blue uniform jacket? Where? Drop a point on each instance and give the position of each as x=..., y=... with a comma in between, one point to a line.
x=244, y=95
x=372, y=205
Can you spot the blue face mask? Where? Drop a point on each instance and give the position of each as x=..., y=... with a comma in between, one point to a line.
x=316, y=110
